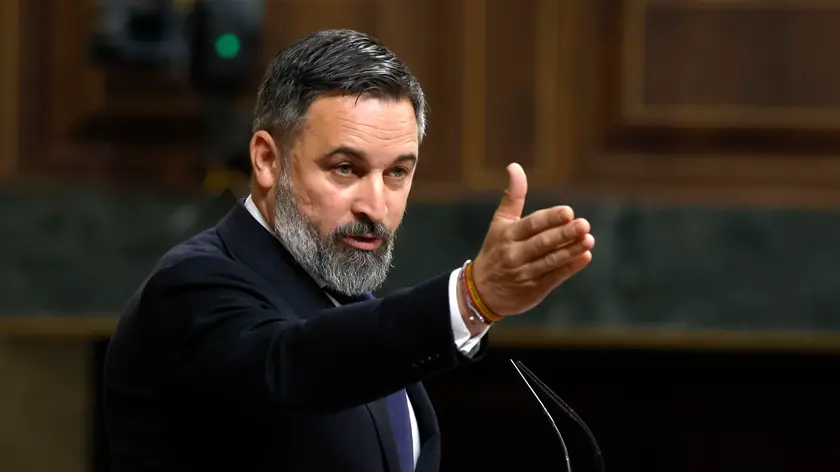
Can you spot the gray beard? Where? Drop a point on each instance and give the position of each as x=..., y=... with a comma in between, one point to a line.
x=343, y=268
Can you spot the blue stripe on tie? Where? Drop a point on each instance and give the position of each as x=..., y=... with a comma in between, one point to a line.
x=401, y=422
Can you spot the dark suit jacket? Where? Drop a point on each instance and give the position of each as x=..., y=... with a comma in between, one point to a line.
x=230, y=357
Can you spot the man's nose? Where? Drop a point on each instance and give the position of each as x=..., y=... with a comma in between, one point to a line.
x=370, y=200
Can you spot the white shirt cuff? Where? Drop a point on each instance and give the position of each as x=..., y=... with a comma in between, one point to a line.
x=466, y=343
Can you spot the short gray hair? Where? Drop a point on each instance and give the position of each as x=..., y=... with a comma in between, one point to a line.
x=331, y=61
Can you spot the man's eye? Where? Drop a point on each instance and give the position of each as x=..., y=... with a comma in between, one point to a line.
x=399, y=172
x=344, y=169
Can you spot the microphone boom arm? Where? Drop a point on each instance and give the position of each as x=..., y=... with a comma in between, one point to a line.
x=548, y=415
x=526, y=372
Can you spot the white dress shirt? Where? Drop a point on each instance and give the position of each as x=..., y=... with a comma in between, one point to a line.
x=467, y=344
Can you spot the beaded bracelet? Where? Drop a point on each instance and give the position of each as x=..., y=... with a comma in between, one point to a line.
x=475, y=315
x=472, y=298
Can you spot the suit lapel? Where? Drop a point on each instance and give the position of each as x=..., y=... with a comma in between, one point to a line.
x=247, y=241
x=250, y=243
x=381, y=420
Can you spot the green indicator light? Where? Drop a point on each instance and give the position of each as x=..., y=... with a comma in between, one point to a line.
x=227, y=46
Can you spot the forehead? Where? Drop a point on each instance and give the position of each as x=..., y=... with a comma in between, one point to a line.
x=380, y=127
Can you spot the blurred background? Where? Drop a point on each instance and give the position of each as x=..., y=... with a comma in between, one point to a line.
x=700, y=138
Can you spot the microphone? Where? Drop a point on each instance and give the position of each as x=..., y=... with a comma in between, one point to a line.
x=526, y=374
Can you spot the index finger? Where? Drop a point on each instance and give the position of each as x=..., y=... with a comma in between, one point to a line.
x=540, y=221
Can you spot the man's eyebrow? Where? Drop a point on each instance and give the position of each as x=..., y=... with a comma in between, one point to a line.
x=405, y=158
x=360, y=155
x=346, y=151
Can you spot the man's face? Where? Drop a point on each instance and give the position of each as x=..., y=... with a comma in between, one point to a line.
x=340, y=192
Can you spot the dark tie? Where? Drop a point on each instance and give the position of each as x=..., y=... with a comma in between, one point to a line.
x=397, y=402
x=401, y=422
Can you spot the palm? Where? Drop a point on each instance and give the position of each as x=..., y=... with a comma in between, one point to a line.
x=523, y=260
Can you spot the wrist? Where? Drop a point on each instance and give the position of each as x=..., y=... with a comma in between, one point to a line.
x=473, y=324
x=476, y=315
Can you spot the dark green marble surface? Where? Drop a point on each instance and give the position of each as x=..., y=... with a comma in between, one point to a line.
x=655, y=266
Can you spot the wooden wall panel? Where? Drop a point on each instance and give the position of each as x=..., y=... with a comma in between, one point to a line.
x=126, y=127
x=688, y=100
x=734, y=65
x=510, y=72
x=428, y=36
x=83, y=123
x=474, y=93
x=517, y=101
x=9, y=81
x=710, y=101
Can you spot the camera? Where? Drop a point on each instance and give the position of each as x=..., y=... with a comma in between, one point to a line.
x=211, y=45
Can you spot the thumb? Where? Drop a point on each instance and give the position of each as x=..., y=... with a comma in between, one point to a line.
x=513, y=202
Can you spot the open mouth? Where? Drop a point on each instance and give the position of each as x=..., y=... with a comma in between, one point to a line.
x=363, y=242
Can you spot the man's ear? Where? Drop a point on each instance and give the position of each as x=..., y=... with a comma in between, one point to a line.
x=265, y=159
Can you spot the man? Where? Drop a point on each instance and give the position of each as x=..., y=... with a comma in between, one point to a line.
x=255, y=345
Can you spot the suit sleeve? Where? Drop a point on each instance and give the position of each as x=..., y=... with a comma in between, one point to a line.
x=235, y=347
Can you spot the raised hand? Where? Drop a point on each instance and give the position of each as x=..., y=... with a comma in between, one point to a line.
x=523, y=259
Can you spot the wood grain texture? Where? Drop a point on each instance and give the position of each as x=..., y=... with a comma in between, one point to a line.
x=427, y=35
x=722, y=101
x=474, y=93
x=9, y=90
x=732, y=65
x=682, y=100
